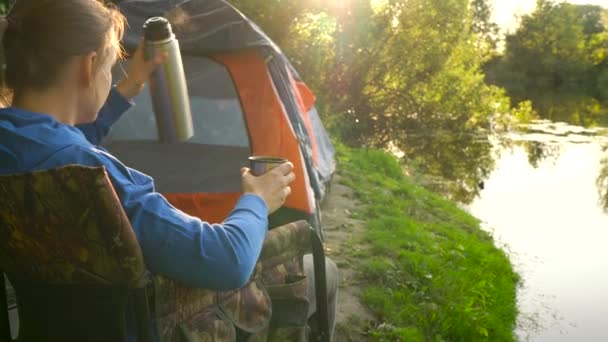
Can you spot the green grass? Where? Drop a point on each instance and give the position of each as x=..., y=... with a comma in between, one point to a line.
x=430, y=273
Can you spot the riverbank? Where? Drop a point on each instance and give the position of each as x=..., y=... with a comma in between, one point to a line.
x=422, y=266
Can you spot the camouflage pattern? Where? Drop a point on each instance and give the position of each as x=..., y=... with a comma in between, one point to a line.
x=290, y=309
x=276, y=275
x=285, y=243
x=185, y=313
x=293, y=334
x=281, y=272
x=260, y=336
x=206, y=326
x=173, y=298
x=248, y=308
x=295, y=286
x=66, y=226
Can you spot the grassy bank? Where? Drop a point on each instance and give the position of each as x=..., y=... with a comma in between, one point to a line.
x=429, y=272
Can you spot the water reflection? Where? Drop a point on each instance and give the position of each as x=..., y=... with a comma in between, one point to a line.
x=536, y=189
x=538, y=151
x=602, y=180
x=549, y=218
x=544, y=140
x=570, y=107
x=451, y=163
x=457, y=164
x=586, y=115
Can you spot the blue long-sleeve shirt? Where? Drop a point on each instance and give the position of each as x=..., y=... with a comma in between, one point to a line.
x=182, y=247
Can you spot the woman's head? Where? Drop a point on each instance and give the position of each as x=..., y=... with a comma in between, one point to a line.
x=47, y=38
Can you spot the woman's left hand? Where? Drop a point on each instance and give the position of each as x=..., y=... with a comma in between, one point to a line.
x=138, y=72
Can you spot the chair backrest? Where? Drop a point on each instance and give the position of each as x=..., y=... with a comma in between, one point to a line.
x=69, y=250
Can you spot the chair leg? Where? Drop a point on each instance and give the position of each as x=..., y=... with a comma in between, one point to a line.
x=318, y=256
x=5, y=328
x=142, y=315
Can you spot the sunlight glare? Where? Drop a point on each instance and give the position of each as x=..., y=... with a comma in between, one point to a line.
x=378, y=4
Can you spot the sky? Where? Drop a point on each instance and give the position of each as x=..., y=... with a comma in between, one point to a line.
x=505, y=11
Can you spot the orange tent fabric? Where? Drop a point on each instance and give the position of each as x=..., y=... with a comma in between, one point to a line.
x=306, y=99
x=306, y=96
x=270, y=134
x=210, y=207
x=270, y=131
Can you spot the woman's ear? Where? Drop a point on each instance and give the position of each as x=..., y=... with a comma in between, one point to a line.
x=87, y=69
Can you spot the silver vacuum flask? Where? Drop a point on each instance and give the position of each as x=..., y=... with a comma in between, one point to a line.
x=168, y=87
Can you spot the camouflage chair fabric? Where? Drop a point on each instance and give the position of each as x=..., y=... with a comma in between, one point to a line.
x=273, y=306
x=66, y=227
x=67, y=245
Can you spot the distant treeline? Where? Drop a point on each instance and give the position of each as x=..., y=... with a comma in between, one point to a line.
x=558, y=58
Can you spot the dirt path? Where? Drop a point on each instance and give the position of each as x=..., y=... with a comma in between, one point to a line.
x=343, y=234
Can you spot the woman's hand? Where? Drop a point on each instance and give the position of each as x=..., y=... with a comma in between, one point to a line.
x=138, y=72
x=272, y=187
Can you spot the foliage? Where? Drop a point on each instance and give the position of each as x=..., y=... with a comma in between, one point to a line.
x=404, y=74
x=483, y=26
x=431, y=273
x=303, y=29
x=558, y=58
x=407, y=74
x=401, y=73
x=4, y=6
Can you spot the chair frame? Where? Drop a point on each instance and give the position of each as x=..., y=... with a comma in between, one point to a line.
x=318, y=257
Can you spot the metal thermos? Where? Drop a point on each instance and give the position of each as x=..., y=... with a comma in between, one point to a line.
x=168, y=87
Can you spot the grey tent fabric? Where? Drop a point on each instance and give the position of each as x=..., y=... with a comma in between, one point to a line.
x=327, y=162
x=210, y=168
x=211, y=160
x=204, y=27
x=280, y=77
x=216, y=112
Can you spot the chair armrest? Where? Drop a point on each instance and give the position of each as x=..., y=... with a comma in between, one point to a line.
x=285, y=243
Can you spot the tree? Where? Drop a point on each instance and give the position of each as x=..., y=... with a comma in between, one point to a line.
x=551, y=46
x=4, y=4
x=415, y=82
x=483, y=26
x=401, y=73
x=557, y=58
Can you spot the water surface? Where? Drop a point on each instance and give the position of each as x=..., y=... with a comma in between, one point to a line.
x=541, y=203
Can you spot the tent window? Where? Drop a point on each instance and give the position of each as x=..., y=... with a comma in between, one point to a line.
x=217, y=114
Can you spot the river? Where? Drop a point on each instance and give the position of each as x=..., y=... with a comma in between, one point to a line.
x=542, y=206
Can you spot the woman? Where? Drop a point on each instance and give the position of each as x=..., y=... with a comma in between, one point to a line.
x=59, y=56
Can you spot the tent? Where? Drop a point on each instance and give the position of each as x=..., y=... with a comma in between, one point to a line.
x=246, y=99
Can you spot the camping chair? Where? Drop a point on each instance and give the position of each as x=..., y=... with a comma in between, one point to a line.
x=68, y=249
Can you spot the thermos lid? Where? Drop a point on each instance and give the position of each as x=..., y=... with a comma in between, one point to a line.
x=157, y=28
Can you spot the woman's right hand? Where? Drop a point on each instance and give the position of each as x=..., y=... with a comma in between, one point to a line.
x=138, y=72
x=272, y=187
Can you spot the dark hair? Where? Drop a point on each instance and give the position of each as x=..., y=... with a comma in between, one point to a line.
x=42, y=35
